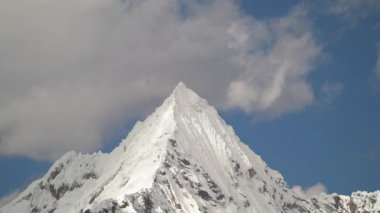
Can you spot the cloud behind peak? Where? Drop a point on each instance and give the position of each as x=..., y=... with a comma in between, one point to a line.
x=69, y=71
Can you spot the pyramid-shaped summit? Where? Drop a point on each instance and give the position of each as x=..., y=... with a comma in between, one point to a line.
x=182, y=158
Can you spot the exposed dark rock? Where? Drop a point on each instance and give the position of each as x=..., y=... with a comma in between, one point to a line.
x=263, y=189
x=36, y=210
x=178, y=206
x=251, y=172
x=337, y=201
x=204, y=195
x=124, y=204
x=295, y=206
x=41, y=185
x=237, y=167
x=300, y=199
x=173, y=142
x=353, y=207
x=51, y=210
x=315, y=203
x=180, y=185
x=55, y=172
x=58, y=193
x=184, y=161
x=75, y=185
x=148, y=204
x=89, y=175
x=220, y=197
x=96, y=195
x=27, y=197
x=185, y=177
x=114, y=206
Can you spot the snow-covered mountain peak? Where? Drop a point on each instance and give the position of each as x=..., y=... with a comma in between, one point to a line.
x=180, y=89
x=181, y=158
x=185, y=98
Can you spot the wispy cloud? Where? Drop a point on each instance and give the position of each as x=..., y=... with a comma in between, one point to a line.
x=70, y=71
x=274, y=82
x=353, y=11
x=372, y=154
x=311, y=191
x=329, y=92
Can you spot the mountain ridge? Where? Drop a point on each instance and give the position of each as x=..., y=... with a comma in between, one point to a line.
x=182, y=158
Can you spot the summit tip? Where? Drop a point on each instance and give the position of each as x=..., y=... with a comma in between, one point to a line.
x=180, y=86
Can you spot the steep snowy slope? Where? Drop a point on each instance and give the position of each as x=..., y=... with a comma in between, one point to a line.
x=182, y=158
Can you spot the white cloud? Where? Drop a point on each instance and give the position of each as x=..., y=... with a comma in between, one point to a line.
x=9, y=197
x=273, y=81
x=311, y=191
x=72, y=71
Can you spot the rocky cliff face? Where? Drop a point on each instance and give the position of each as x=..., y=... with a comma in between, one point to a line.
x=182, y=158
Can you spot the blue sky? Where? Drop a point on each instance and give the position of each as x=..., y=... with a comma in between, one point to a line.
x=329, y=135
x=337, y=144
